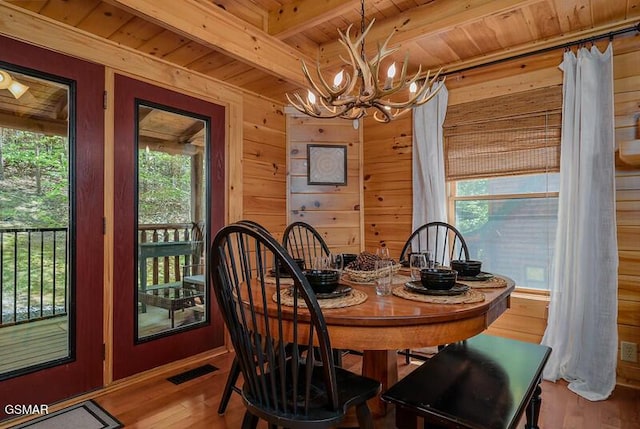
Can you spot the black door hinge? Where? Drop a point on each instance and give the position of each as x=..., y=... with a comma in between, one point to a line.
x=104, y=226
x=104, y=100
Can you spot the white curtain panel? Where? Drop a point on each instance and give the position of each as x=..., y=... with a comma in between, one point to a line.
x=429, y=193
x=582, y=325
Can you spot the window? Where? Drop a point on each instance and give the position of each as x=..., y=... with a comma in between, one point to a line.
x=509, y=224
x=502, y=167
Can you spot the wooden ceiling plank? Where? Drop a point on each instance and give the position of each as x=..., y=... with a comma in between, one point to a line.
x=425, y=21
x=572, y=15
x=21, y=24
x=104, y=20
x=220, y=30
x=247, y=11
x=69, y=11
x=301, y=15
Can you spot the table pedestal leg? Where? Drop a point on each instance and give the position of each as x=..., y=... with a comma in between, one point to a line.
x=380, y=365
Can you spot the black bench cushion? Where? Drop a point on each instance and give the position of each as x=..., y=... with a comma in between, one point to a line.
x=483, y=382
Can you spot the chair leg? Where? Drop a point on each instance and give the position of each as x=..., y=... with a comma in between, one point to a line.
x=407, y=357
x=232, y=378
x=365, y=419
x=337, y=357
x=249, y=421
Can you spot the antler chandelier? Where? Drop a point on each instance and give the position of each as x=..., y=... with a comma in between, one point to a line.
x=352, y=94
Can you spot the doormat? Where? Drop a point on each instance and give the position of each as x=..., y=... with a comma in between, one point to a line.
x=192, y=373
x=85, y=415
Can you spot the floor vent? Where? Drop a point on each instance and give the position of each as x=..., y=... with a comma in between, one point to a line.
x=192, y=373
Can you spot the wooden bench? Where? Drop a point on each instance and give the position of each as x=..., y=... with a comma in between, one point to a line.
x=483, y=382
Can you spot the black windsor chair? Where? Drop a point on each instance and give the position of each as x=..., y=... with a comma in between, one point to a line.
x=234, y=371
x=441, y=238
x=444, y=241
x=292, y=390
x=302, y=241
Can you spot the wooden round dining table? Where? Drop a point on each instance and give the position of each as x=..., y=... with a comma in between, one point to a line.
x=382, y=325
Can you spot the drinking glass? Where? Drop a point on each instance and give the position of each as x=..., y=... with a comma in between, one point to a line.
x=383, y=253
x=319, y=263
x=383, y=283
x=430, y=259
x=417, y=261
x=335, y=262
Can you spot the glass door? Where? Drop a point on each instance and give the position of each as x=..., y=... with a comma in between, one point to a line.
x=51, y=214
x=169, y=162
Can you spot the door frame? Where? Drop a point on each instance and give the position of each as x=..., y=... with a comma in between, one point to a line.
x=83, y=371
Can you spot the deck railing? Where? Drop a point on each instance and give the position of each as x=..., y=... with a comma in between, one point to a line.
x=34, y=274
x=167, y=269
x=34, y=267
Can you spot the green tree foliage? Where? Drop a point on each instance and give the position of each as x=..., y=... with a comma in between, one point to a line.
x=34, y=190
x=164, y=188
x=472, y=215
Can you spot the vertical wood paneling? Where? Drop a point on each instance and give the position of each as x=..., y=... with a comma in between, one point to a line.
x=333, y=210
x=388, y=197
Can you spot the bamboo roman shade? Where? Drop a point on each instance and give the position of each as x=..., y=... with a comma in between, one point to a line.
x=506, y=135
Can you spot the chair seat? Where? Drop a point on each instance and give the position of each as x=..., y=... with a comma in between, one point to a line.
x=352, y=389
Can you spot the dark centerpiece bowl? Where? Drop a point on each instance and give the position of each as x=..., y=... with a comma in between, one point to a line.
x=438, y=278
x=467, y=268
x=323, y=281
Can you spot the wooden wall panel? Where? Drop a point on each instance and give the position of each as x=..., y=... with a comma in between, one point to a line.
x=387, y=182
x=264, y=169
x=333, y=210
x=626, y=70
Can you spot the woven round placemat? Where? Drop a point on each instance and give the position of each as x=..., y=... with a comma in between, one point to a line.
x=270, y=280
x=493, y=282
x=354, y=297
x=468, y=297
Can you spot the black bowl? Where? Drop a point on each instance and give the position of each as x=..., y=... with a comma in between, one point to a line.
x=438, y=278
x=323, y=281
x=467, y=268
x=299, y=262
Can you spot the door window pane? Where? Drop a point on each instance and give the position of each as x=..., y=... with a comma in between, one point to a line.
x=34, y=222
x=171, y=224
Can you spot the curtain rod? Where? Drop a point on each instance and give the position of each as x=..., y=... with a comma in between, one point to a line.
x=609, y=35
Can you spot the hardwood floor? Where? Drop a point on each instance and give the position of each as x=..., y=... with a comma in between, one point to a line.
x=159, y=404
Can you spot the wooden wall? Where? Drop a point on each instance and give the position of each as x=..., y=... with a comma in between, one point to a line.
x=264, y=169
x=626, y=70
x=387, y=183
x=334, y=210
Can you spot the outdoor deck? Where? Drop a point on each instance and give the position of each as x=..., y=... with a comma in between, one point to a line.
x=40, y=341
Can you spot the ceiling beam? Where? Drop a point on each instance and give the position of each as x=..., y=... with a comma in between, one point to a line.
x=213, y=27
x=423, y=22
x=47, y=126
x=301, y=15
